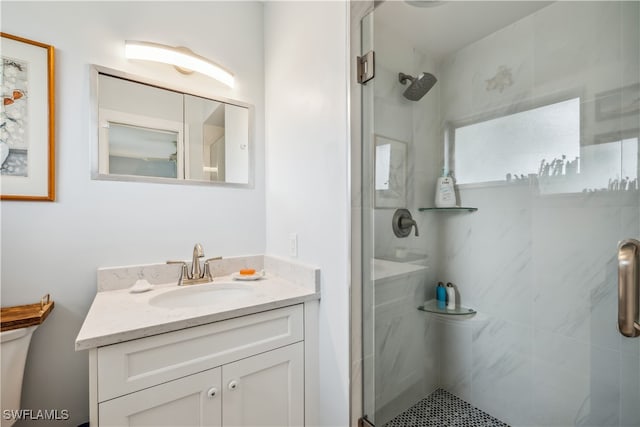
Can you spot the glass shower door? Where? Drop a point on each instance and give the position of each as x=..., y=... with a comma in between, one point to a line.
x=534, y=111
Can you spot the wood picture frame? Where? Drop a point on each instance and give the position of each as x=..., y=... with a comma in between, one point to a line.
x=27, y=122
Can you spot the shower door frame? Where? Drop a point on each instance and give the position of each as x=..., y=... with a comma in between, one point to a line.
x=357, y=11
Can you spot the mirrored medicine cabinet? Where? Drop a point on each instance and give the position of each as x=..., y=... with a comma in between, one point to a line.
x=146, y=131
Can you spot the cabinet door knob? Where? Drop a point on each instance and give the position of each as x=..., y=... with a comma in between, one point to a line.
x=212, y=392
x=233, y=385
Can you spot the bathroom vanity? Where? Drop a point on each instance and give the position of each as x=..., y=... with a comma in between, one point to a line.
x=228, y=353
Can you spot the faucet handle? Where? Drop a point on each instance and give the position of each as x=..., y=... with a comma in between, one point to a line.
x=184, y=271
x=403, y=222
x=408, y=223
x=207, y=269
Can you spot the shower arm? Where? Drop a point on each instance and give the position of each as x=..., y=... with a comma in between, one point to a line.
x=402, y=78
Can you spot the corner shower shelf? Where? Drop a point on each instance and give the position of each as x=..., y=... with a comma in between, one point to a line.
x=452, y=209
x=432, y=306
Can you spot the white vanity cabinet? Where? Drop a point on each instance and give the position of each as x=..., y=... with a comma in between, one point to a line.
x=190, y=401
x=245, y=371
x=265, y=390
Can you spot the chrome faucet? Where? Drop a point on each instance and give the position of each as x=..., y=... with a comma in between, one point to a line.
x=197, y=274
x=198, y=253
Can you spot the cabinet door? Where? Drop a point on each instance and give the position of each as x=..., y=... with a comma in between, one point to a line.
x=265, y=390
x=190, y=401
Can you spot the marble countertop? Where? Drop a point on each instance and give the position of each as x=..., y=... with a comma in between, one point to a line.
x=118, y=315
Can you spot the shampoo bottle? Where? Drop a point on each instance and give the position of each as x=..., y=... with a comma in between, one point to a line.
x=451, y=296
x=445, y=193
x=441, y=295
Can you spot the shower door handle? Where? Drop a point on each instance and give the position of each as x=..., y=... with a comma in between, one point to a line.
x=628, y=288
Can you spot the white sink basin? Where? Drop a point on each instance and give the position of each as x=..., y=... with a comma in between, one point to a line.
x=202, y=295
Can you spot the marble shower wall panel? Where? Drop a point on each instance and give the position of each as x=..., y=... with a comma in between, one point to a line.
x=488, y=252
x=501, y=374
x=630, y=348
x=574, y=383
x=424, y=245
x=560, y=385
x=599, y=55
x=572, y=249
x=575, y=263
x=495, y=73
x=589, y=57
x=402, y=340
x=392, y=119
x=392, y=111
x=428, y=139
x=542, y=269
x=605, y=391
x=629, y=388
x=630, y=35
x=604, y=305
x=415, y=122
x=456, y=356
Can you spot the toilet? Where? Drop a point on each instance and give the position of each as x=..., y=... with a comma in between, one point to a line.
x=14, y=345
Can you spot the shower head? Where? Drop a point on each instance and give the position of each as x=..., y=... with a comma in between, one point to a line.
x=419, y=85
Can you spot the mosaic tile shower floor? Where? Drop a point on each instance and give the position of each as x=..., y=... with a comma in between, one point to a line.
x=443, y=409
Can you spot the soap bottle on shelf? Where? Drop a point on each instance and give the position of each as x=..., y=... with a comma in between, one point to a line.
x=445, y=192
x=451, y=296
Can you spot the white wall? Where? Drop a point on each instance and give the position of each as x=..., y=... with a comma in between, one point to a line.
x=307, y=168
x=56, y=247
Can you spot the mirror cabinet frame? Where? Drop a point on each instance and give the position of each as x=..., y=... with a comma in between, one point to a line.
x=94, y=73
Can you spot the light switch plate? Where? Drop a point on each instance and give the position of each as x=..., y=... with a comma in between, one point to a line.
x=293, y=245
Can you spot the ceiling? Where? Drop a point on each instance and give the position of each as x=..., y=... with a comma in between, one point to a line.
x=446, y=27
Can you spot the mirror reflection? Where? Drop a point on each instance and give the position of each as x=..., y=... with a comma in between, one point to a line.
x=217, y=145
x=150, y=132
x=140, y=151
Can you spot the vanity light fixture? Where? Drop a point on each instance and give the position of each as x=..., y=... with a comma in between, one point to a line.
x=181, y=58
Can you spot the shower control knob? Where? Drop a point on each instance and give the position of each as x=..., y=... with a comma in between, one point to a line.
x=403, y=223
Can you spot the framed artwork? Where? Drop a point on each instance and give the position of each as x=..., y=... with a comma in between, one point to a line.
x=390, y=178
x=27, y=146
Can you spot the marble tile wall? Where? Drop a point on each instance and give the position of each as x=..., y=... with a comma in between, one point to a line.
x=541, y=269
x=404, y=366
